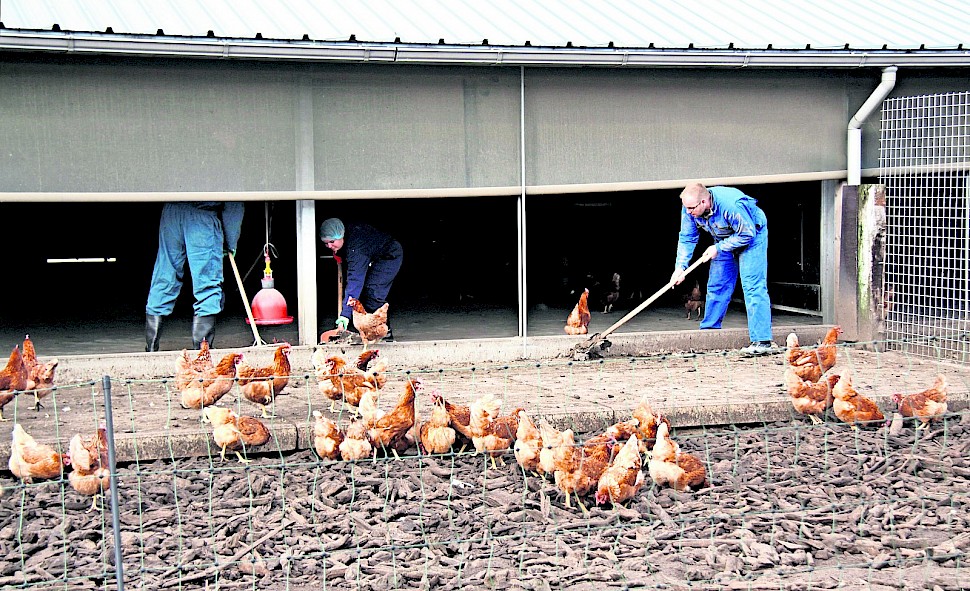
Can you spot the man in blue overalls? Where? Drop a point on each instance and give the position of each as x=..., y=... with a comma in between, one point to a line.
x=740, y=231
x=200, y=232
x=373, y=260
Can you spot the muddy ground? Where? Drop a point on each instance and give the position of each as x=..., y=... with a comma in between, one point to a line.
x=791, y=506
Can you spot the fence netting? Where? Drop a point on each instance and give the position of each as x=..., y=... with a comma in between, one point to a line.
x=788, y=504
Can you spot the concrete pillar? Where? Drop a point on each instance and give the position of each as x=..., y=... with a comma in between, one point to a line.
x=860, y=251
x=827, y=249
x=846, y=261
x=872, y=254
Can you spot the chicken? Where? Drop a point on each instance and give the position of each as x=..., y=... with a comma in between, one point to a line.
x=373, y=366
x=90, y=473
x=347, y=383
x=551, y=440
x=30, y=460
x=619, y=432
x=13, y=379
x=695, y=301
x=40, y=376
x=321, y=368
x=233, y=432
x=810, y=364
x=579, y=467
x=668, y=465
x=578, y=320
x=367, y=408
x=612, y=295
x=373, y=326
x=391, y=431
x=188, y=368
x=649, y=421
x=810, y=398
x=356, y=445
x=437, y=435
x=460, y=417
x=326, y=437
x=261, y=385
x=212, y=384
x=489, y=432
x=852, y=407
x=528, y=443
x=928, y=405
x=623, y=478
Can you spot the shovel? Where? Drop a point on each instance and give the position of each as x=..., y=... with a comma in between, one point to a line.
x=596, y=343
x=249, y=311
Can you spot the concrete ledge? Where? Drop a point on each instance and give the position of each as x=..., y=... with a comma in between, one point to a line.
x=423, y=354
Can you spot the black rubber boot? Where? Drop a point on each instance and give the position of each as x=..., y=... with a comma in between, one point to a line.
x=153, y=332
x=203, y=327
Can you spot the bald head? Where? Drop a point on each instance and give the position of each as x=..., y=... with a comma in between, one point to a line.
x=696, y=199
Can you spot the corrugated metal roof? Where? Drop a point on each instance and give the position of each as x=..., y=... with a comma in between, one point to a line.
x=741, y=24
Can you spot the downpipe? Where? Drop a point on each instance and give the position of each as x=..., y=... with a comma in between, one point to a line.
x=854, y=153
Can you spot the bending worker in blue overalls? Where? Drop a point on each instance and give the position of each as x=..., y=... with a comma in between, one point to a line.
x=200, y=232
x=373, y=260
x=740, y=231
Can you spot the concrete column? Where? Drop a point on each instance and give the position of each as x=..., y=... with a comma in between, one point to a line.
x=872, y=254
x=306, y=231
x=846, y=261
x=827, y=249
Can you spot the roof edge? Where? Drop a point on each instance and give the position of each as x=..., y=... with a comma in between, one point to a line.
x=441, y=54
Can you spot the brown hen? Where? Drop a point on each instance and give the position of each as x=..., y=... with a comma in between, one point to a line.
x=810, y=398
x=852, y=407
x=578, y=320
x=623, y=478
x=927, y=406
x=392, y=431
x=326, y=437
x=90, y=474
x=30, y=460
x=436, y=434
x=810, y=364
x=13, y=379
x=40, y=376
x=371, y=326
x=212, y=384
x=261, y=385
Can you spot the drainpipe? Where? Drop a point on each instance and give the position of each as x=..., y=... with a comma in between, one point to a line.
x=855, y=124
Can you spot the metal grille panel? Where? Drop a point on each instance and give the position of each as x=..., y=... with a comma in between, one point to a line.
x=924, y=156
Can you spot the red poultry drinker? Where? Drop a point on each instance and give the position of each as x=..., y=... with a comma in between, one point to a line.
x=269, y=306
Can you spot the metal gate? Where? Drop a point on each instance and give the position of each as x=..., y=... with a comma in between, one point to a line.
x=924, y=156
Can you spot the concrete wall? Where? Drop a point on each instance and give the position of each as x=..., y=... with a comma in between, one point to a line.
x=101, y=124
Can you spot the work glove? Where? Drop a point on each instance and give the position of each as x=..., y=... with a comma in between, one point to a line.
x=342, y=322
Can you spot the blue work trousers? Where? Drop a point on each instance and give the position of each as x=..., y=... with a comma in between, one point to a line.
x=751, y=263
x=187, y=233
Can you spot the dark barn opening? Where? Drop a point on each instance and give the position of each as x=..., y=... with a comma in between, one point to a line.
x=460, y=258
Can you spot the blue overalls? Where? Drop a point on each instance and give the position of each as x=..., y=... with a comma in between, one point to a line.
x=373, y=260
x=740, y=231
x=198, y=232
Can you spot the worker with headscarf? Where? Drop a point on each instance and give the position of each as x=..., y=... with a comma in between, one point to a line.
x=373, y=261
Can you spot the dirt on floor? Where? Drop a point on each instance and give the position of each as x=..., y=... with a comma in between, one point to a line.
x=789, y=505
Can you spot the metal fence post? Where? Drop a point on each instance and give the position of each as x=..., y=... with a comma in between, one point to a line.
x=115, y=511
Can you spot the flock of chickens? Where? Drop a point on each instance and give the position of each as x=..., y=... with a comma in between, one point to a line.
x=29, y=460
x=578, y=320
x=609, y=465
x=816, y=385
